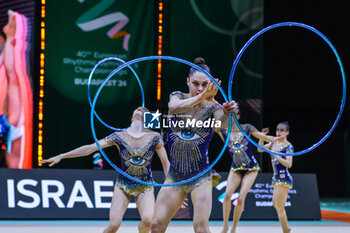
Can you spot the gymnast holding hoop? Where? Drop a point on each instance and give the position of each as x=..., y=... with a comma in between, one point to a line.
x=188, y=148
x=282, y=181
x=244, y=168
x=136, y=148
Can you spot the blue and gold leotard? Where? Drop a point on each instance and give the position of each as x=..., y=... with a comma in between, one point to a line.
x=281, y=175
x=188, y=145
x=240, y=149
x=136, y=158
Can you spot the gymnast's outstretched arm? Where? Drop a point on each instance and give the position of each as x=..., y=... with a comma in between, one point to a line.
x=79, y=152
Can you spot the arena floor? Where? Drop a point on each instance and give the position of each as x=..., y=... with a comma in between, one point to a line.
x=335, y=219
x=63, y=226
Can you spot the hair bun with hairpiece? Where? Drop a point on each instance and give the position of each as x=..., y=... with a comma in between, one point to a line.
x=199, y=60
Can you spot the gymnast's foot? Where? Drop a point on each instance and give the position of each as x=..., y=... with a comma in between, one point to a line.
x=233, y=230
x=288, y=230
x=225, y=229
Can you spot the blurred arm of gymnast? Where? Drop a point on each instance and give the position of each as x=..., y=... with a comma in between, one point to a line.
x=259, y=135
x=9, y=61
x=79, y=152
x=14, y=96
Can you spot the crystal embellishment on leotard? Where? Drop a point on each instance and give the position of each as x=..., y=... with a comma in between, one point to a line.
x=240, y=149
x=137, y=160
x=282, y=183
x=187, y=134
x=281, y=175
x=188, y=146
x=187, y=142
x=136, y=156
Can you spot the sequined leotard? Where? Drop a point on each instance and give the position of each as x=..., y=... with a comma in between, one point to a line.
x=240, y=149
x=188, y=146
x=136, y=158
x=281, y=175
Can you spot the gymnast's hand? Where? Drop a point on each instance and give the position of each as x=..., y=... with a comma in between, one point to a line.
x=184, y=204
x=265, y=131
x=10, y=28
x=214, y=101
x=54, y=160
x=231, y=107
x=211, y=90
x=279, y=139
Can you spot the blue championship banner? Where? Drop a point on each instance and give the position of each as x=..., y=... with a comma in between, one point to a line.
x=86, y=194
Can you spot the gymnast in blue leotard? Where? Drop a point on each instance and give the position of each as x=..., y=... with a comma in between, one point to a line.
x=136, y=147
x=136, y=155
x=188, y=150
x=244, y=168
x=282, y=181
x=188, y=146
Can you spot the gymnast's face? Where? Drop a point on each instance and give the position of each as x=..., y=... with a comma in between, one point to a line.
x=282, y=130
x=138, y=113
x=197, y=83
